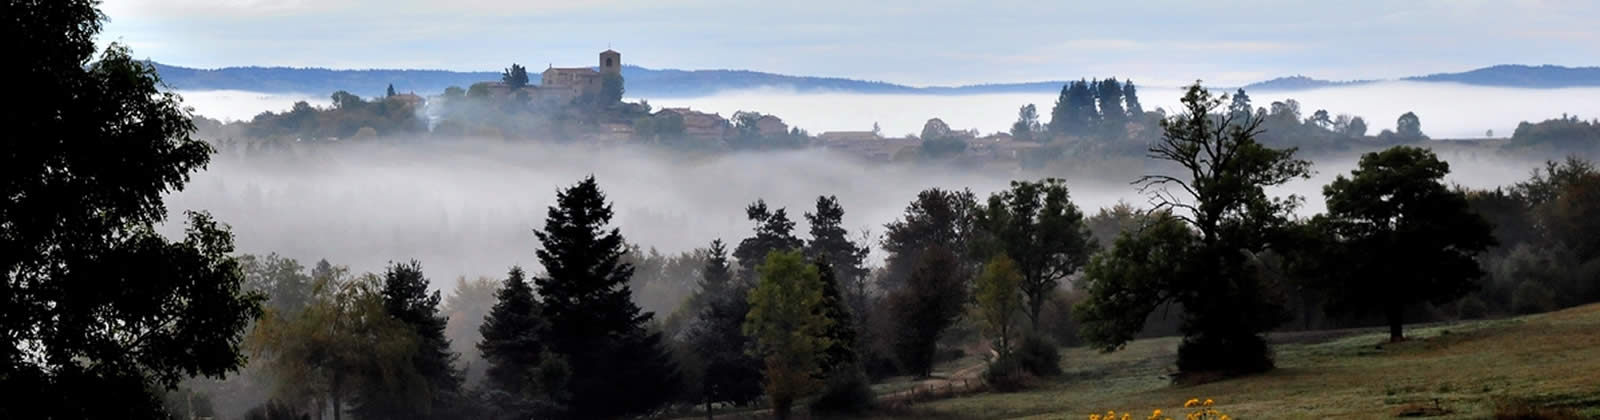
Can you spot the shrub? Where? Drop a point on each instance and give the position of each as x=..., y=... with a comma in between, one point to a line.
x=1207, y=356
x=1007, y=375
x=1038, y=356
x=1532, y=297
x=1472, y=307
x=846, y=392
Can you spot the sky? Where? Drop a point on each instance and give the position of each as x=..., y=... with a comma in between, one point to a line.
x=930, y=42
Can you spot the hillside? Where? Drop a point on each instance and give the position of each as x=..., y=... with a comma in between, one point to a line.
x=1521, y=76
x=1453, y=370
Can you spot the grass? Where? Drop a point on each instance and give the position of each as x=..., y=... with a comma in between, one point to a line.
x=1462, y=370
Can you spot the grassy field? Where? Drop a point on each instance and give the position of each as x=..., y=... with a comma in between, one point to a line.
x=1462, y=370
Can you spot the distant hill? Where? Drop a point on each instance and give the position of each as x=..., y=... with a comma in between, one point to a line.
x=642, y=82
x=1514, y=75
x=655, y=83
x=1298, y=83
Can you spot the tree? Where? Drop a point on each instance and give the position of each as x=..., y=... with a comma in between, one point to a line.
x=1037, y=225
x=1027, y=124
x=943, y=218
x=465, y=308
x=1357, y=127
x=390, y=92
x=788, y=333
x=1075, y=111
x=512, y=345
x=931, y=301
x=999, y=301
x=94, y=303
x=611, y=88
x=731, y=374
x=1239, y=109
x=1222, y=199
x=346, y=100
x=406, y=299
x=1130, y=95
x=323, y=355
x=515, y=77
x=1407, y=236
x=840, y=352
x=774, y=232
x=1408, y=126
x=282, y=280
x=1108, y=94
x=594, y=324
x=1320, y=118
x=830, y=243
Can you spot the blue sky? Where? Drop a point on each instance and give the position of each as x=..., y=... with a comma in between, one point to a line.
x=919, y=43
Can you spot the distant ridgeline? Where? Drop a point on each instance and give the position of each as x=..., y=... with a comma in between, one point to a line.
x=645, y=82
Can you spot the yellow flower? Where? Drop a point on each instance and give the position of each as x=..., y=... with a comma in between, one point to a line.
x=1191, y=403
x=1125, y=416
x=1208, y=402
x=1094, y=417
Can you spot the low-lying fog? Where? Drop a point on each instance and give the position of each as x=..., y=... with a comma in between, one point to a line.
x=1447, y=110
x=469, y=207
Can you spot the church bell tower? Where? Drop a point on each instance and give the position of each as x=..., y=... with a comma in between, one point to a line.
x=610, y=62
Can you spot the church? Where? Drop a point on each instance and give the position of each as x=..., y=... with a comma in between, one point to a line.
x=561, y=85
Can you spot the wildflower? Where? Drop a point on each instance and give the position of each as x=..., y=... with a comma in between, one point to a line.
x=1207, y=403
x=1094, y=417
x=1191, y=403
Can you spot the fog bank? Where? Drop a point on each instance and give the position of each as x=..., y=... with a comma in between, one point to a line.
x=1447, y=110
x=469, y=207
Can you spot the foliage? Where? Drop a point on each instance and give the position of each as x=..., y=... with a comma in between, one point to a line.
x=406, y=298
x=943, y=218
x=999, y=301
x=1038, y=355
x=282, y=281
x=342, y=343
x=774, y=232
x=844, y=393
x=1037, y=225
x=512, y=343
x=1567, y=133
x=788, y=332
x=1208, y=270
x=93, y=301
x=730, y=374
x=1027, y=127
x=1409, y=127
x=931, y=301
x=840, y=353
x=830, y=242
x=594, y=324
x=1406, y=238
x=465, y=310
x=515, y=77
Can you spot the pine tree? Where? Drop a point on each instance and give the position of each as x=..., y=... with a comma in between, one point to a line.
x=774, y=232
x=841, y=333
x=406, y=298
x=390, y=92
x=511, y=342
x=731, y=376
x=1108, y=94
x=1130, y=96
x=830, y=241
x=594, y=323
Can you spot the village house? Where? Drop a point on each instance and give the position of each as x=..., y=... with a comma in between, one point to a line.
x=699, y=125
x=771, y=125
x=560, y=85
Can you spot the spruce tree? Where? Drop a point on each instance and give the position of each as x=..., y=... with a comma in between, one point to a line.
x=511, y=342
x=594, y=323
x=841, y=333
x=732, y=375
x=830, y=241
x=406, y=298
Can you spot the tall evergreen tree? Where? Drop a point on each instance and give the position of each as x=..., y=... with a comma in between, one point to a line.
x=390, y=91
x=406, y=299
x=1239, y=108
x=1027, y=126
x=594, y=323
x=931, y=301
x=840, y=352
x=732, y=375
x=511, y=339
x=1130, y=96
x=1061, y=111
x=830, y=242
x=1108, y=94
x=774, y=232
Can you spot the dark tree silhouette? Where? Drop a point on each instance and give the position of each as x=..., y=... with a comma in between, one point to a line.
x=94, y=303
x=594, y=323
x=406, y=299
x=516, y=77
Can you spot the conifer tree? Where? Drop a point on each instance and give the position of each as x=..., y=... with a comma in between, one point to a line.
x=511, y=342
x=594, y=323
x=1130, y=97
x=406, y=299
x=774, y=232
x=731, y=376
x=841, y=333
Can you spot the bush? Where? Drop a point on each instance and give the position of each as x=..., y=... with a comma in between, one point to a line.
x=1007, y=375
x=1472, y=307
x=1208, y=356
x=1532, y=297
x=845, y=392
x=1038, y=356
